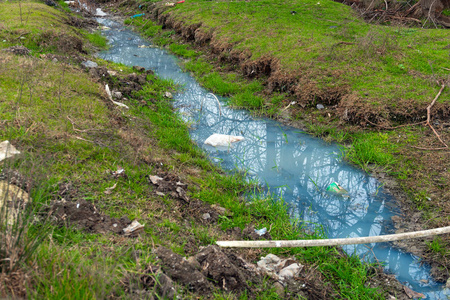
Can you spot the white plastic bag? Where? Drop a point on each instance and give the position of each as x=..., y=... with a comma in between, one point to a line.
x=222, y=140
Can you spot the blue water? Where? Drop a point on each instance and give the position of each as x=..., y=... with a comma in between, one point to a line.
x=287, y=161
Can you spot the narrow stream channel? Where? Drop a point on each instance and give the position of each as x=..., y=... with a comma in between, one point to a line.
x=289, y=162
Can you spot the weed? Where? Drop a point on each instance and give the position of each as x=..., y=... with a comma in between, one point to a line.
x=97, y=40
x=437, y=246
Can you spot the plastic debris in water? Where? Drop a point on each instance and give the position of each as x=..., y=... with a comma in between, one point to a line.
x=223, y=140
x=135, y=16
x=335, y=188
x=261, y=231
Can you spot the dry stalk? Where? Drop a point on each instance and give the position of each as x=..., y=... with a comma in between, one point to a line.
x=429, y=124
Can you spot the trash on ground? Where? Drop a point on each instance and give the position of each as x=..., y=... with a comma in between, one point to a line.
x=168, y=95
x=133, y=229
x=12, y=199
x=320, y=106
x=169, y=4
x=136, y=16
x=104, y=28
x=279, y=269
x=110, y=98
x=100, y=13
x=335, y=188
x=119, y=173
x=109, y=190
x=7, y=150
x=261, y=231
x=223, y=140
x=154, y=179
x=89, y=64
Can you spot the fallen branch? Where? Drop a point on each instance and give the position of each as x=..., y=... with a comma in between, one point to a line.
x=335, y=242
x=406, y=18
x=411, y=8
x=429, y=115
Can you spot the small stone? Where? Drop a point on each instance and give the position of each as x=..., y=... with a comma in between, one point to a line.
x=117, y=95
x=168, y=95
x=206, y=216
x=279, y=289
x=290, y=271
x=219, y=209
x=89, y=64
x=320, y=106
x=139, y=69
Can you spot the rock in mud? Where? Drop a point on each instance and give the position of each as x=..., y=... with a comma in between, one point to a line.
x=180, y=270
x=279, y=269
x=89, y=64
x=170, y=184
x=217, y=266
x=18, y=50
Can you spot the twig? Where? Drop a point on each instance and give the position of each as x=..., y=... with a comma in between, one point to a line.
x=406, y=18
x=343, y=43
x=218, y=103
x=73, y=126
x=395, y=127
x=80, y=138
x=430, y=149
x=411, y=8
x=385, y=2
x=429, y=114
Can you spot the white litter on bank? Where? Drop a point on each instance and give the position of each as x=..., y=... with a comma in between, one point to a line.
x=7, y=150
x=100, y=13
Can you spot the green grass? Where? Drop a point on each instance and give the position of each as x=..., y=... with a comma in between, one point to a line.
x=382, y=64
x=97, y=40
x=57, y=116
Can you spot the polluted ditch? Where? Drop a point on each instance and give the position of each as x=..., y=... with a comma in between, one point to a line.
x=290, y=163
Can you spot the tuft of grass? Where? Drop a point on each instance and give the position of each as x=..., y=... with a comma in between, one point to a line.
x=97, y=40
x=370, y=148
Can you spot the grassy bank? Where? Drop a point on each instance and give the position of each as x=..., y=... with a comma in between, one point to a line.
x=80, y=152
x=282, y=59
